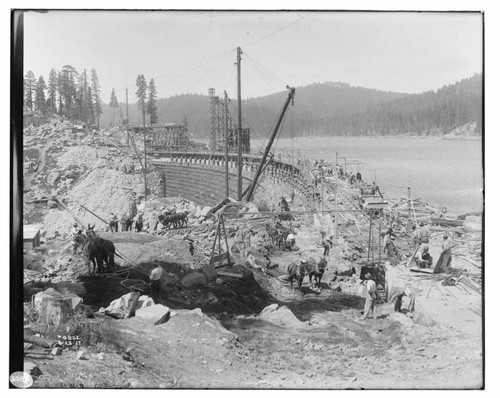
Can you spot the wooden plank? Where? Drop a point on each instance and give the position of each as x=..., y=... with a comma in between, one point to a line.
x=39, y=341
x=424, y=270
x=231, y=274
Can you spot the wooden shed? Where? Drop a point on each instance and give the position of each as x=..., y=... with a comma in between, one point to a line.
x=31, y=236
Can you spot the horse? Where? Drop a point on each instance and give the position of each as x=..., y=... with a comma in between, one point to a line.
x=297, y=272
x=91, y=251
x=176, y=220
x=317, y=271
x=277, y=235
x=106, y=247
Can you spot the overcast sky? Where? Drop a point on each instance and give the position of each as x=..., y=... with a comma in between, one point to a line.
x=188, y=52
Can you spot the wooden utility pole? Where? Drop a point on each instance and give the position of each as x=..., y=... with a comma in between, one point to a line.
x=226, y=145
x=126, y=100
x=240, y=163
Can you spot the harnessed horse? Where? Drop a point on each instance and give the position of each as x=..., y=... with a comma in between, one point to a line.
x=296, y=272
x=97, y=248
x=316, y=271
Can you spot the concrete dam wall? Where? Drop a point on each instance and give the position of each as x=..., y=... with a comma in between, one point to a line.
x=204, y=185
x=201, y=177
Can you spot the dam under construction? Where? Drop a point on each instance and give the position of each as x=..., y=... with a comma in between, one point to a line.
x=153, y=260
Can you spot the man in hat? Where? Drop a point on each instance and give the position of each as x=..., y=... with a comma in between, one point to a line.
x=290, y=240
x=75, y=231
x=392, y=251
x=155, y=278
x=424, y=233
x=397, y=297
x=371, y=295
x=113, y=222
x=139, y=221
x=327, y=244
x=446, y=254
x=423, y=258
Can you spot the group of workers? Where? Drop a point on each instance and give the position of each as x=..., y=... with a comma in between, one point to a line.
x=127, y=222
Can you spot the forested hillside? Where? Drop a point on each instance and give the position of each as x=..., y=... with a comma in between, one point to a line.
x=339, y=109
x=319, y=109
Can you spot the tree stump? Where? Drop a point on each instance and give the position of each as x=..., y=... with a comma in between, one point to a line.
x=55, y=310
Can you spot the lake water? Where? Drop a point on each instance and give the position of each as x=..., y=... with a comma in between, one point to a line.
x=441, y=172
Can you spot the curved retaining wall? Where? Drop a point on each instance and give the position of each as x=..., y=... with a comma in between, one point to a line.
x=200, y=177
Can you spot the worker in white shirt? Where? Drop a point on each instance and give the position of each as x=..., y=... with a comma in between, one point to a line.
x=290, y=240
x=156, y=281
x=446, y=254
x=75, y=231
x=371, y=295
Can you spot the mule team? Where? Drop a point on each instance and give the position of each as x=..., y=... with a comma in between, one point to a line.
x=97, y=251
x=100, y=252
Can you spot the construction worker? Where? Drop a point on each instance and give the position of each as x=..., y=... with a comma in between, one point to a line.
x=423, y=258
x=327, y=244
x=139, y=221
x=446, y=253
x=371, y=295
x=397, y=297
x=113, y=223
x=392, y=251
x=75, y=231
x=290, y=240
x=191, y=247
x=155, y=278
x=424, y=233
x=123, y=222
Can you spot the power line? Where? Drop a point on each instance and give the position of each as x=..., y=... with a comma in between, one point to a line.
x=276, y=31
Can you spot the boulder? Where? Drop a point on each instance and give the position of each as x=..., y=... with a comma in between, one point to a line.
x=157, y=314
x=126, y=305
x=51, y=292
x=270, y=308
x=193, y=279
x=145, y=301
x=32, y=369
x=282, y=317
x=209, y=272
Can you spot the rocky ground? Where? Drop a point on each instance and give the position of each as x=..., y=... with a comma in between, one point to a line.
x=244, y=328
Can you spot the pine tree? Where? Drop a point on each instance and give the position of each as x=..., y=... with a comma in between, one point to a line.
x=69, y=92
x=82, y=97
x=40, y=95
x=29, y=89
x=90, y=106
x=151, y=107
x=96, y=92
x=113, y=103
x=52, y=91
x=60, y=92
x=141, y=93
